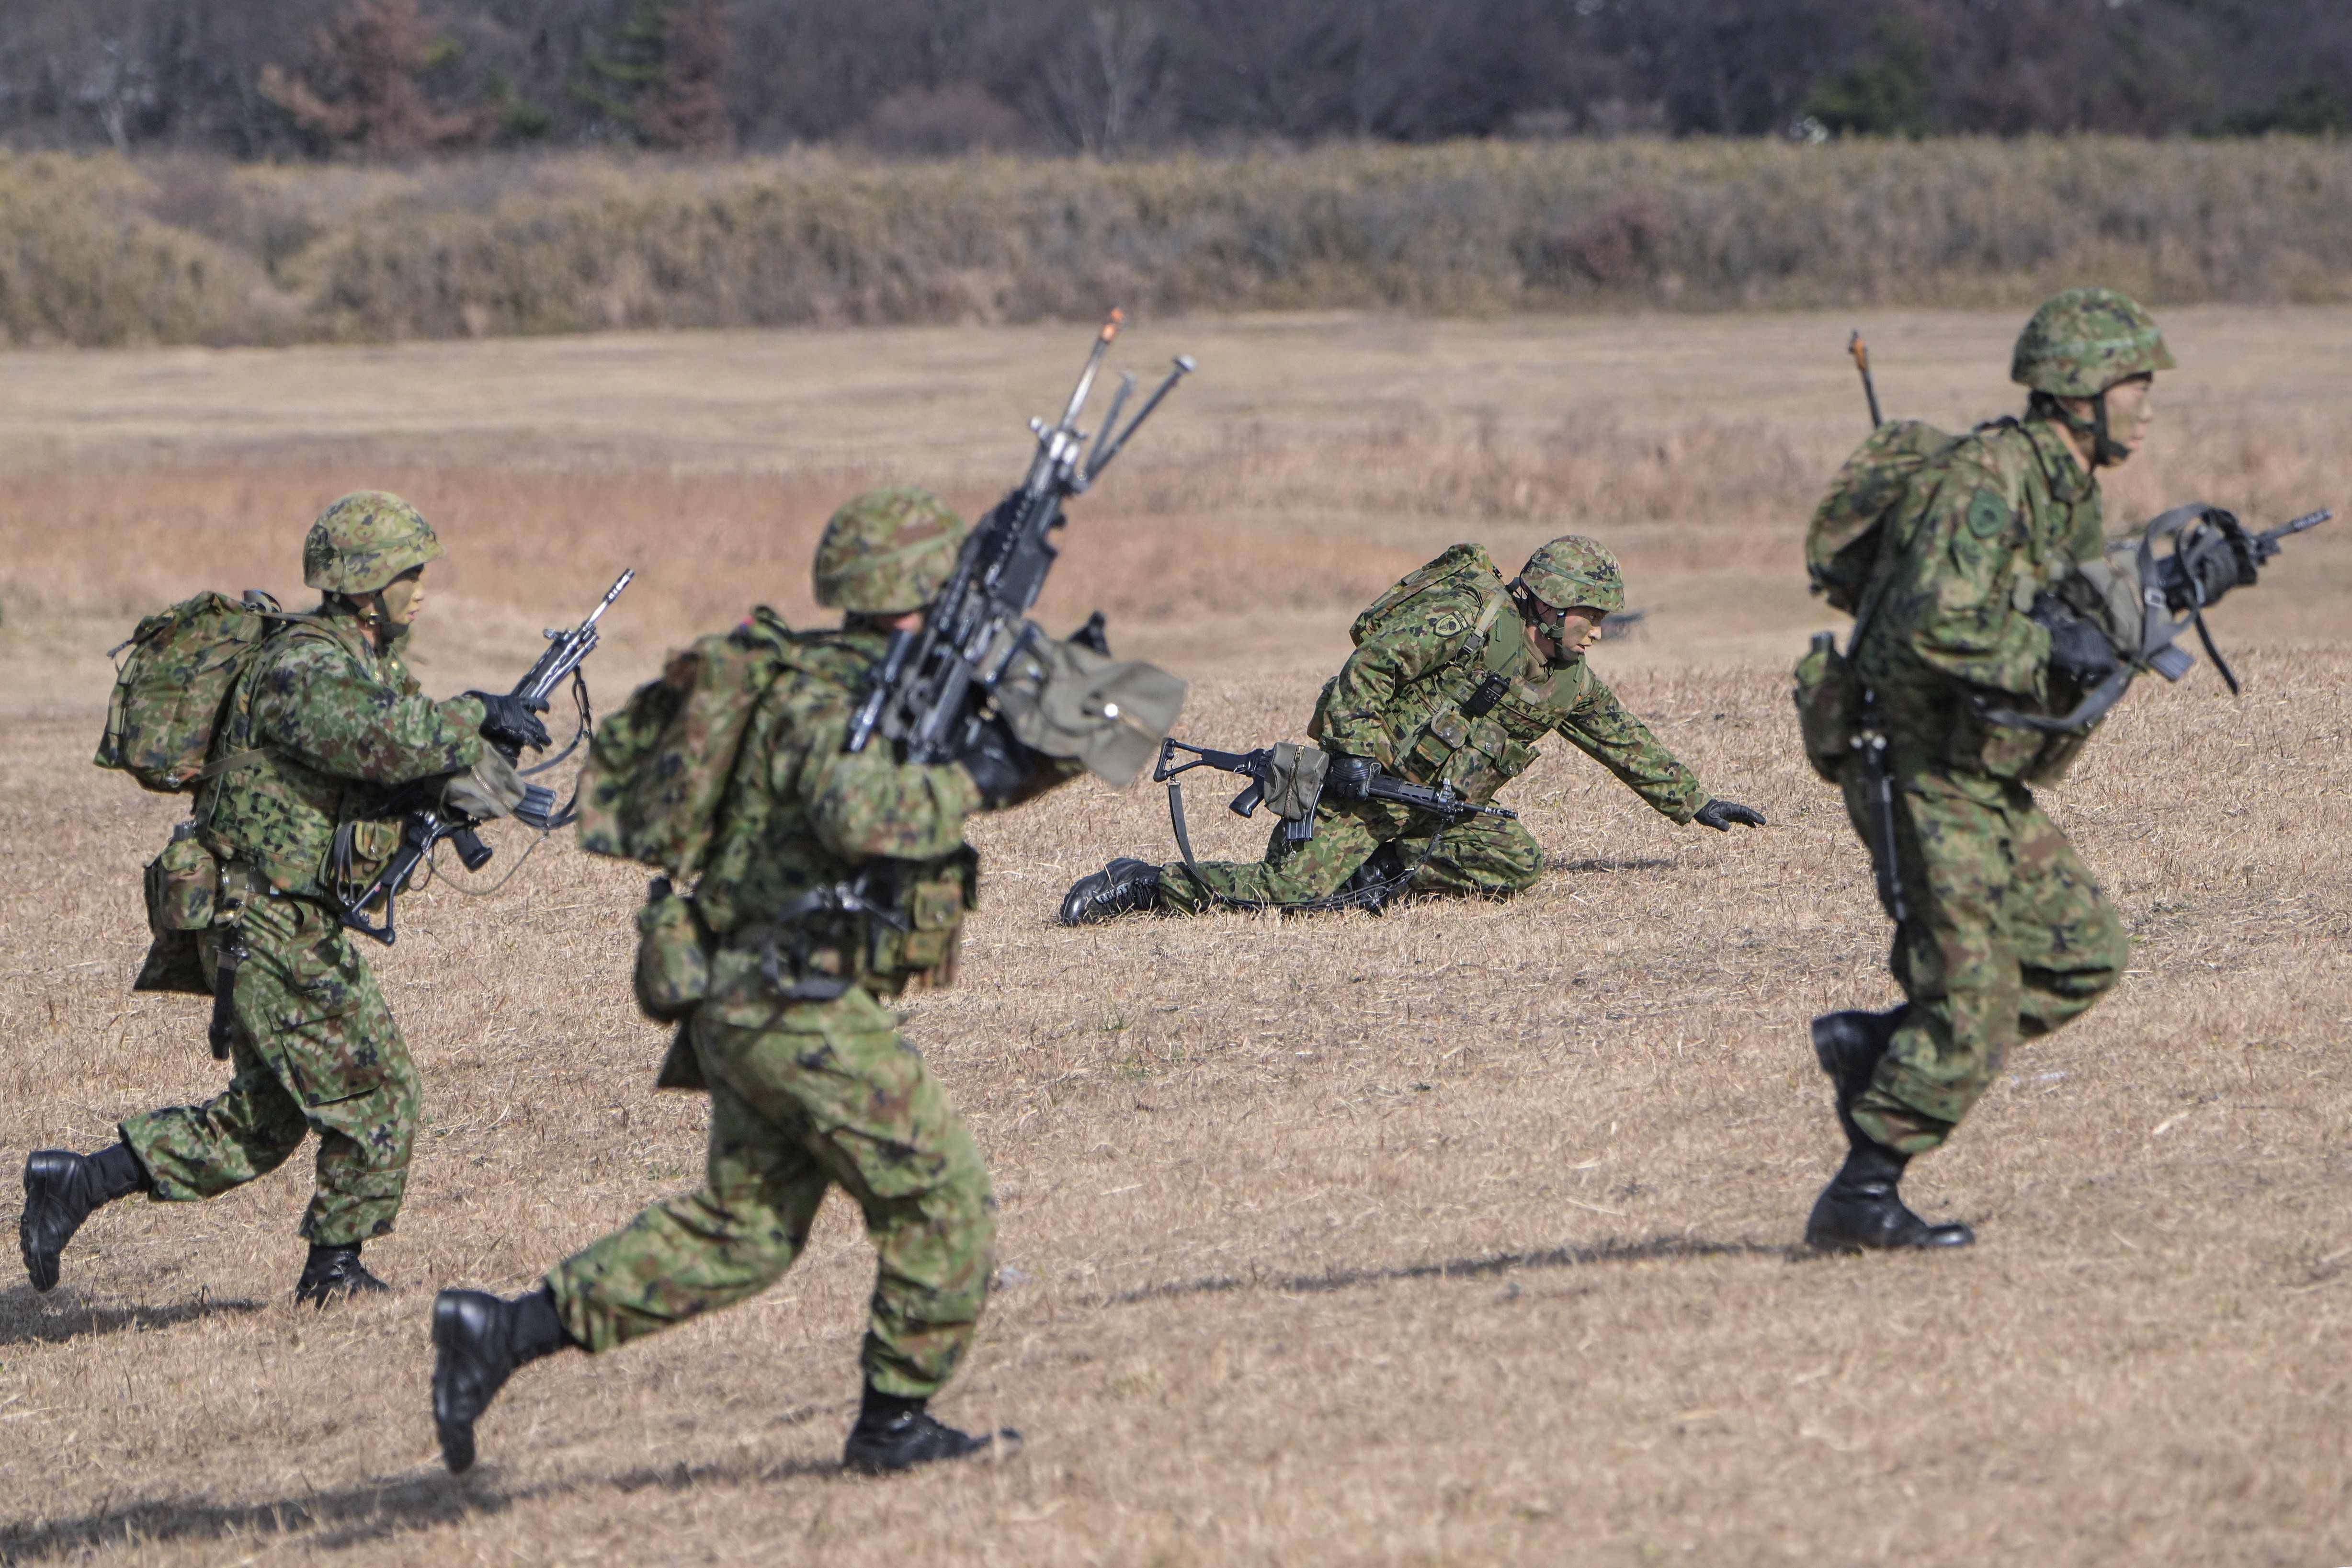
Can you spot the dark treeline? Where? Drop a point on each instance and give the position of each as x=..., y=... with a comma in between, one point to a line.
x=279, y=78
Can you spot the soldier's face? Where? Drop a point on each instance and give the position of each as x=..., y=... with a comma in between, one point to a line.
x=1565, y=635
x=403, y=597
x=2131, y=408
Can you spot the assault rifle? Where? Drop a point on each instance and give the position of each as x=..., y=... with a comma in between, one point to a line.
x=427, y=823
x=2212, y=552
x=1294, y=780
x=928, y=691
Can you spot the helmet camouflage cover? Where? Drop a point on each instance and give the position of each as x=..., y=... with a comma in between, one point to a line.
x=886, y=552
x=2082, y=341
x=1572, y=572
x=364, y=541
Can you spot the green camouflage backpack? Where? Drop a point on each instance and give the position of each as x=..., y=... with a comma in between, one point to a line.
x=168, y=693
x=1467, y=563
x=1842, y=542
x=657, y=770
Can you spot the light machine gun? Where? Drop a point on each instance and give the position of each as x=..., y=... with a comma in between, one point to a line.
x=1294, y=779
x=930, y=689
x=428, y=823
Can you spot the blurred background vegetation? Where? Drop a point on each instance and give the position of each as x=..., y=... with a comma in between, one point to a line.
x=279, y=78
x=275, y=171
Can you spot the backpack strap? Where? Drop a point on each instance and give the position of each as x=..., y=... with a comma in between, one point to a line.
x=230, y=764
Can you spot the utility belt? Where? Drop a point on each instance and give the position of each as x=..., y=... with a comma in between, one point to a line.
x=895, y=926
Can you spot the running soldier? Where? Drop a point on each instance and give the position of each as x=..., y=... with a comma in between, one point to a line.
x=1963, y=627
x=1456, y=676
x=834, y=881
x=322, y=734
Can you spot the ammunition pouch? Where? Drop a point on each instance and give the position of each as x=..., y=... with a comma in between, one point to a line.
x=1829, y=696
x=183, y=884
x=673, y=967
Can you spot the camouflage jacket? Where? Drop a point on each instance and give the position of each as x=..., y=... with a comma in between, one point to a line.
x=802, y=815
x=1408, y=697
x=338, y=726
x=2003, y=513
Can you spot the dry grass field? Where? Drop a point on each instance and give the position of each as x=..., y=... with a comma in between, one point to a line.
x=1458, y=1236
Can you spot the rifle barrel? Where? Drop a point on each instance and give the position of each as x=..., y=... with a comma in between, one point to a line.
x=2296, y=525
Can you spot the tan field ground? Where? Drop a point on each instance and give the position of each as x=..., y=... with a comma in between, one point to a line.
x=1461, y=1234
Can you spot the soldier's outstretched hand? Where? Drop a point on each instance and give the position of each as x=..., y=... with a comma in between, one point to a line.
x=1720, y=815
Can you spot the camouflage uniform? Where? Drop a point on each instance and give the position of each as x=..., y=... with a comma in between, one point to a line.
x=810, y=1084
x=1408, y=698
x=334, y=725
x=2008, y=934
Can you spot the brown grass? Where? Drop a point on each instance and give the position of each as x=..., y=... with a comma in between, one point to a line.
x=97, y=250
x=1456, y=1236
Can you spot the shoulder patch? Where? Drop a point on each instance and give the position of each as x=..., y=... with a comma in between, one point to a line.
x=1987, y=514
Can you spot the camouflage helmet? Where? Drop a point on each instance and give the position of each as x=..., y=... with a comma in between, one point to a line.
x=2082, y=341
x=886, y=552
x=364, y=541
x=1574, y=572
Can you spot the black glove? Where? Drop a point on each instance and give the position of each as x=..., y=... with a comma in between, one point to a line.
x=998, y=763
x=1720, y=815
x=2221, y=558
x=1347, y=778
x=508, y=722
x=2079, y=650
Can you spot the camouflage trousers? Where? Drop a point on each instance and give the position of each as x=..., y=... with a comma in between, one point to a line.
x=802, y=1098
x=1488, y=856
x=2008, y=937
x=315, y=1050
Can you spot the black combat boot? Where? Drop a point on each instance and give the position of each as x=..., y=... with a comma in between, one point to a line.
x=1376, y=884
x=893, y=1433
x=1861, y=1208
x=478, y=1339
x=61, y=1189
x=334, y=1273
x=1849, y=1047
x=1123, y=887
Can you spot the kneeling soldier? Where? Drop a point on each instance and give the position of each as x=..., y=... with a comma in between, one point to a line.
x=834, y=881
x=1455, y=675
x=321, y=727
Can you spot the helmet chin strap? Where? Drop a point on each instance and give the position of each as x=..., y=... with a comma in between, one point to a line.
x=2105, y=451
x=381, y=630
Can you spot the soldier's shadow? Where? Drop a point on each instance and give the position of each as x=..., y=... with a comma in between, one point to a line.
x=1603, y=865
x=27, y=1319
x=1638, y=1250
x=368, y=1511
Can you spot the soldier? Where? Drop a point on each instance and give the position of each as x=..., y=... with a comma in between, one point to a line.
x=321, y=727
x=2005, y=934
x=1455, y=676
x=834, y=881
